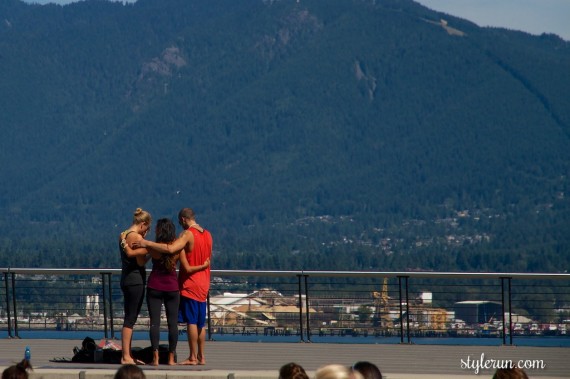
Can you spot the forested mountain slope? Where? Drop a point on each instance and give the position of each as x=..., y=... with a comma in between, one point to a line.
x=311, y=134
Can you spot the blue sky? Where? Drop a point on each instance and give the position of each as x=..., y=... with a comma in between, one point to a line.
x=532, y=16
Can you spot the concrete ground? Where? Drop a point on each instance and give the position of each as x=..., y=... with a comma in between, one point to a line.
x=257, y=360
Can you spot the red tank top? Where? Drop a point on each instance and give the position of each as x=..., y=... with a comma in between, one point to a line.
x=197, y=285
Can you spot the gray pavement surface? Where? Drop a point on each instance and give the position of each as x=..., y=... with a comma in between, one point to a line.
x=261, y=360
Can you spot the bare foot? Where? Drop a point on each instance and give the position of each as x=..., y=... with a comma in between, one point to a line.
x=189, y=362
x=155, y=358
x=201, y=360
x=171, y=360
x=131, y=361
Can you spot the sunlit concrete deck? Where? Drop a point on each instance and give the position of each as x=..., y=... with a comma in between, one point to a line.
x=262, y=360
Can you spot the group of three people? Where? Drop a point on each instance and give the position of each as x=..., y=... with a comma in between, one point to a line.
x=184, y=295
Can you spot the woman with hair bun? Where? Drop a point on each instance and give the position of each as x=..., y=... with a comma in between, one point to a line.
x=133, y=278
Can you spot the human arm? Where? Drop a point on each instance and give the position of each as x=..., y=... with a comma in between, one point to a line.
x=184, y=265
x=141, y=254
x=162, y=247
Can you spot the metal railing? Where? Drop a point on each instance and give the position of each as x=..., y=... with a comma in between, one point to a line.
x=308, y=305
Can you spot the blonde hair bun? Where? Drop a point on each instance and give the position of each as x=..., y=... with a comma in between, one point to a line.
x=141, y=216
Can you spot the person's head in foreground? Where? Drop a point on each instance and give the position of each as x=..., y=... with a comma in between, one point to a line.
x=510, y=373
x=292, y=371
x=368, y=370
x=336, y=371
x=129, y=372
x=17, y=371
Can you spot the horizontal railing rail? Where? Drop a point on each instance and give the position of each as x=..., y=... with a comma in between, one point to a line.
x=308, y=304
x=276, y=273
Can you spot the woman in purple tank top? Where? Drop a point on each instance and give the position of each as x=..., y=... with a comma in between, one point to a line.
x=162, y=288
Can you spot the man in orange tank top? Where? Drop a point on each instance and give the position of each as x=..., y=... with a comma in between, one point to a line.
x=193, y=280
x=194, y=285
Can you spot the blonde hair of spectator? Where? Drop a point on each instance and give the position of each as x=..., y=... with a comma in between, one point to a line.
x=336, y=371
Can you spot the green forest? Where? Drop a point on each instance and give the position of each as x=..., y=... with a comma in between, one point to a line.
x=345, y=135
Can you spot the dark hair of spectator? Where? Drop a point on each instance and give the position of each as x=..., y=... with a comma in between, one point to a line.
x=17, y=371
x=129, y=372
x=292, y=371
x=510, y=373
x=368, y=370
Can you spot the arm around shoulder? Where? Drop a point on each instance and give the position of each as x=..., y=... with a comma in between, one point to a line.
x=161, y=247
x=131, y=252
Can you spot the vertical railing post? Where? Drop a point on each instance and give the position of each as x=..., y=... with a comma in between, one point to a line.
x=307, y=313
x=506, y=308
x=8, y=305
x=16, y=335
x=406, y=299
x=503, y=310
x=300, y=308
x=401, y=310
x=510, y=312
x=110, y=292
x=210, y=338
x=103, y=275
x=407, y=310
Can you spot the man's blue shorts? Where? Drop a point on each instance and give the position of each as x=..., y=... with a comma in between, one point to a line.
x=192, y=312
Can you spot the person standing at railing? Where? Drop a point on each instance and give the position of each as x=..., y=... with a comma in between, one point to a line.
x=162, y=288
x=193, y=280
x=133, y=278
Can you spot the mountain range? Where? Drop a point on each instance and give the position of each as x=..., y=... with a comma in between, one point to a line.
x=346, y=134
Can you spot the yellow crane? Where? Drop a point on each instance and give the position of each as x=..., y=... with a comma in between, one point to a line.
x=381, y=305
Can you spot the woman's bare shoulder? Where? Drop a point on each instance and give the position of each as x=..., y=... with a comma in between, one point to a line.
x=133, y=236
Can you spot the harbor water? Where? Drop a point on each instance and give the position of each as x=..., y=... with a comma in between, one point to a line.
x=534, y=341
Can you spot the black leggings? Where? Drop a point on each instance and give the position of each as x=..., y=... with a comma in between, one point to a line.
x=134, y=297
x=154, y=300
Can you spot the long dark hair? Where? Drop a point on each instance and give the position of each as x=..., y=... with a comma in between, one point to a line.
x=166, y=233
